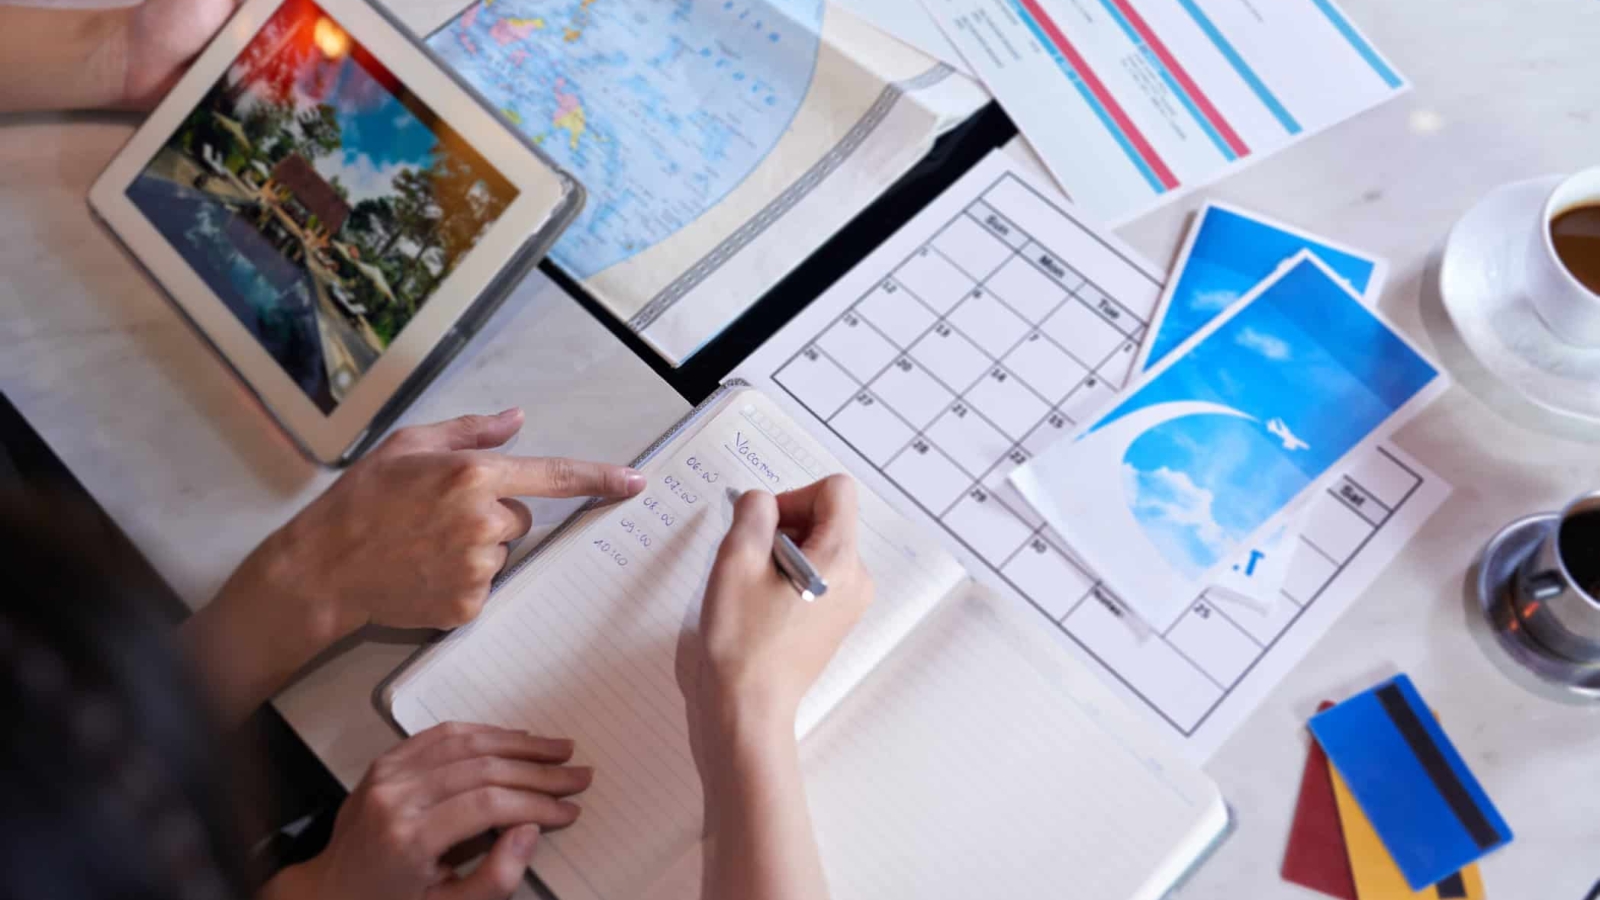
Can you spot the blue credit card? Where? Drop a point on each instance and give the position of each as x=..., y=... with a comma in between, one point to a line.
x=1431, y=813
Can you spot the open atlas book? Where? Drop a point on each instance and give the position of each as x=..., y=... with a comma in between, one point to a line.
x=951, y=748
x=720, y=143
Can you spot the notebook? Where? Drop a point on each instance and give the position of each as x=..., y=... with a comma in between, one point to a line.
x=951, y=748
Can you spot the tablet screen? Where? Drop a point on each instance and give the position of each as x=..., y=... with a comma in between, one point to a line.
x=319, y=198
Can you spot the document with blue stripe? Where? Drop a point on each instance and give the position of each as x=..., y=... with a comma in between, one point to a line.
x=1130, y=102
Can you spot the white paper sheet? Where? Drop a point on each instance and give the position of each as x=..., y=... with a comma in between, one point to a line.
x=976, y=335
x=909, y=21
x=1130, y=101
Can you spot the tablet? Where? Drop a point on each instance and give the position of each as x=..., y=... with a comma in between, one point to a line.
x=333, y=210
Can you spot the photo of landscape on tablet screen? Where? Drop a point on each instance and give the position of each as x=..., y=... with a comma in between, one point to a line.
x=319, y=198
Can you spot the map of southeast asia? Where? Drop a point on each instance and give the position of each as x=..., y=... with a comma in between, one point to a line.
x=659, y=107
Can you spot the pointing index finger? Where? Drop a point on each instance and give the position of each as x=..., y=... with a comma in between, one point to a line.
x=469, y=432
x=556, y=476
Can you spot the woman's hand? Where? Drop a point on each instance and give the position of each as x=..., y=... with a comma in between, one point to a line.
x=161, y=38
x=763, y=645
x=411, y=536
x=426, y=796
x=126, y=57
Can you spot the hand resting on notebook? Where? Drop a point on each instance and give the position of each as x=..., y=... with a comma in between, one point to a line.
x=117, y=783
x=763, y=647
x=408, y=537
x=430, y=794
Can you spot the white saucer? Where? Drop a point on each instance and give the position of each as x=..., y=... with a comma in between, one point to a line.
x=1480, y=281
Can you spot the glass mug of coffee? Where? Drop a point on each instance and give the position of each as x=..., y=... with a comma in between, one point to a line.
x=1557, y=588
x=1563, y=268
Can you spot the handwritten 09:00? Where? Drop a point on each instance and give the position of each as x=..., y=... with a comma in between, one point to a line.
x=635, y=532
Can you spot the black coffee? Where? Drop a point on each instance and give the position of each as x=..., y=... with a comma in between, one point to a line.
x=1576, y=236
x=1579, y=543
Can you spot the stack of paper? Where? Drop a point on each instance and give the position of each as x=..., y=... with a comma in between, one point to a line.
x=1248, y=409
x=1229, y=252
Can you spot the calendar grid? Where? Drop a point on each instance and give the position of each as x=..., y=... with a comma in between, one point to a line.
x=1318, y=550
x=1211, y=679
x=1232, y=620
x=978, y=349
x=1416, y=485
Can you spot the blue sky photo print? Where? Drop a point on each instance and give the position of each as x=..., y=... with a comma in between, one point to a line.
x=1231, y=253
x=1197, y=460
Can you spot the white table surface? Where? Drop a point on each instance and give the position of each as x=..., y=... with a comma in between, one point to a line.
x=183, y=460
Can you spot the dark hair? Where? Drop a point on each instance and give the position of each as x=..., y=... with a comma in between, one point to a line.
x=113, y=782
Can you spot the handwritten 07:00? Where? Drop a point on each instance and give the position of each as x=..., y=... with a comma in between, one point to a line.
x=675, y=486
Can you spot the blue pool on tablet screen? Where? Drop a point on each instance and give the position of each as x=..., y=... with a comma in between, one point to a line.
x=318, y=198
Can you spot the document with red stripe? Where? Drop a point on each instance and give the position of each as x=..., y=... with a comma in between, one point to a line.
x=1130, y=102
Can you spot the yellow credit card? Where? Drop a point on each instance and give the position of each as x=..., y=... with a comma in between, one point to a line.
x=1376, y=875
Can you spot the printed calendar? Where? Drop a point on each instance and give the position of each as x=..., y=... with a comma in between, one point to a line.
x=989, y=327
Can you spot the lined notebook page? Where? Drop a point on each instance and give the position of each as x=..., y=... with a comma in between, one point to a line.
x=981, y=760
x=585, y=642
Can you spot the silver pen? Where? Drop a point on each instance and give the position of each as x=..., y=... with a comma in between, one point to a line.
x=799, y=570
x=793, y=564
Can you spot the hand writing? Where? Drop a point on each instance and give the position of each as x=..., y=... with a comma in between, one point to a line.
x=763, y=645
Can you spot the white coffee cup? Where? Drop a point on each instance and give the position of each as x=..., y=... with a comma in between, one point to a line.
x=1570, y=309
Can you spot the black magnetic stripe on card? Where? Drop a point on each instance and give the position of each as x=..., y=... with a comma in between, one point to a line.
x=1452, y=888
x=1438, y=768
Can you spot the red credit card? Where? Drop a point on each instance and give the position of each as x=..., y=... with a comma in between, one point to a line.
x=1316, y=857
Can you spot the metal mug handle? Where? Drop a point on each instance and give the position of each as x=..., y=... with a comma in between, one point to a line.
x=1555, y=609
x=1542, y=586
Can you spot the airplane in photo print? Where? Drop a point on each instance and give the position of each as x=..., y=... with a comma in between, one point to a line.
x=1228, y=252
x=1232, y=430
